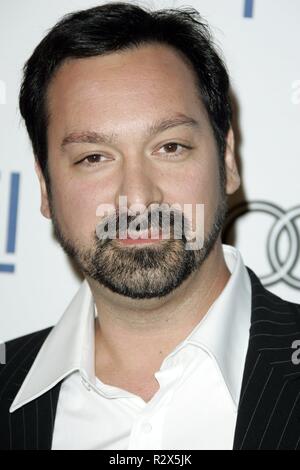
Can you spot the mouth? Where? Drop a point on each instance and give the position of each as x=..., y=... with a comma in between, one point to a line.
x=136, y=238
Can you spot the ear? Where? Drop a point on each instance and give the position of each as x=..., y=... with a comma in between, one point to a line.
x=233, y=180
x=45, y=206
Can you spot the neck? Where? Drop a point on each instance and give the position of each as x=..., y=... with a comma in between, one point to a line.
x=148, y=330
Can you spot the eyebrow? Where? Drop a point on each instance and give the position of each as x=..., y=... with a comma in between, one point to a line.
x=91, y=137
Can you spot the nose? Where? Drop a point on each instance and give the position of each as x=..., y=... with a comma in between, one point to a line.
x=139, y=183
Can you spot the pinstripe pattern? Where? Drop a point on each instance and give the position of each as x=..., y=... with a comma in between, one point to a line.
x=269, y=407
x=31, y=426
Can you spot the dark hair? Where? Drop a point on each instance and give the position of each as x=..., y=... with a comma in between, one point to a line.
x=119, y=26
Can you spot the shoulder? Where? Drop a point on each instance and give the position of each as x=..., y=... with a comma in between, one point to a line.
x=264, y=299
x=19, y=353
x=26, y=342
x=31, y=338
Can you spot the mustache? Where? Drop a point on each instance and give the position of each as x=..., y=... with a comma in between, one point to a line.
x=171, y=223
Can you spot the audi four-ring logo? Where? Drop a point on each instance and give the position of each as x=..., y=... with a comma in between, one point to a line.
x=284, y=222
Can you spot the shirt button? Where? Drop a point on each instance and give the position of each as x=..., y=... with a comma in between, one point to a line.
x=146, y=428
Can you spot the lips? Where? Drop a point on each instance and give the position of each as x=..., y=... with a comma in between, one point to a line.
x=143, y=236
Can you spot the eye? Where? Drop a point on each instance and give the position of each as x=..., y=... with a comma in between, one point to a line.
x=92, y=160
x=173, y=149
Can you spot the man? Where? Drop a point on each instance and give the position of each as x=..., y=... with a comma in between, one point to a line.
x=163, y=347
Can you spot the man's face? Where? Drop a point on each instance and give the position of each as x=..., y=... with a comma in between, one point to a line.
x=124, y=96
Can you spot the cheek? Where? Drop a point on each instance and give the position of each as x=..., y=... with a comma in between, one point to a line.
x=75, y=205
x=198, y=184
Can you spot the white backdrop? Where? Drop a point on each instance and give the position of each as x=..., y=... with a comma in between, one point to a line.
x=260, y=42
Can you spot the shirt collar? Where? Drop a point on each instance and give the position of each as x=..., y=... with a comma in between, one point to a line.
x=224, y=330
x=69, y=347
x=223, y=333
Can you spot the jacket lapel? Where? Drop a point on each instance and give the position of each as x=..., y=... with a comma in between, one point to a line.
x=31, y=426
x=269, y=407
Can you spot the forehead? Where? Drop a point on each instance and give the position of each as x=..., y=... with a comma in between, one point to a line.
x=143, y=79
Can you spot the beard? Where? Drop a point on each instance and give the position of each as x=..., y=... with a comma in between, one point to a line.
x=146, y=271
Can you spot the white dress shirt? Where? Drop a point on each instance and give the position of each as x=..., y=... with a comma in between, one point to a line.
x=195, y=406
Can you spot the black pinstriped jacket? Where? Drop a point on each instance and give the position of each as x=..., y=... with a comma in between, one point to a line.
x=269, y=406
